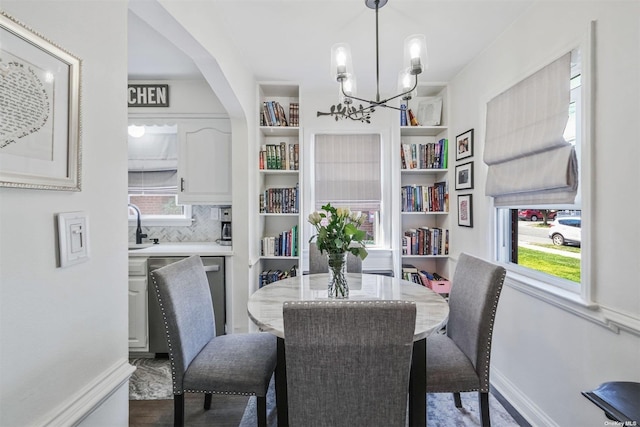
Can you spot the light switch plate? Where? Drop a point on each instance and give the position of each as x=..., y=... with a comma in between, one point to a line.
x=73, y=238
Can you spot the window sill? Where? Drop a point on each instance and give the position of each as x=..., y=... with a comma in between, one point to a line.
x=571, y=302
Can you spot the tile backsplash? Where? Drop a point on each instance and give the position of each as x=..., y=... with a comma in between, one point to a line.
x=202, y=229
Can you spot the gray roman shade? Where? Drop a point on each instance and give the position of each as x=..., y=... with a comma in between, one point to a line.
x=347, y=171
x=529, y=160
x=153, y=161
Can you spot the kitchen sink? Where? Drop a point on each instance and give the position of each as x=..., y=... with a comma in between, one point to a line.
x=139, y=245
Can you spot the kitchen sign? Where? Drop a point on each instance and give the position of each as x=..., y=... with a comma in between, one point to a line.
x=148, y=95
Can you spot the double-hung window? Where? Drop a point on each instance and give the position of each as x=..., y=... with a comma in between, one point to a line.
x=534, y=144
x=347, y=171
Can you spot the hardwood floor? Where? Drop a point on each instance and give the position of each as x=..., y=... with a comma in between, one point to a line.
x=226, y=411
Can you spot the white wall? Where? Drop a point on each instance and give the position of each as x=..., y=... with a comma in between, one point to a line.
x=63, y=331
x=544, y=356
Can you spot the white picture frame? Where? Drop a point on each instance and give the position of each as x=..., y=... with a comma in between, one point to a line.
x=40, y=135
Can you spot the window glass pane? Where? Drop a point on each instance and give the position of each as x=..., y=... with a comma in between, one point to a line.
x=157, y=204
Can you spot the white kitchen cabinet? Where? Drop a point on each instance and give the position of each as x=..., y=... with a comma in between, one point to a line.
x=204, y=161
x=138, y=308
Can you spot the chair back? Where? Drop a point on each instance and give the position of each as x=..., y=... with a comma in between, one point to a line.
x=348, y=362
x=318, y=261
x=473, y=301
x=185, y=301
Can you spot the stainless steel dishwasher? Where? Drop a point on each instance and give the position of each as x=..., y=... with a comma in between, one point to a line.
x=214, y=266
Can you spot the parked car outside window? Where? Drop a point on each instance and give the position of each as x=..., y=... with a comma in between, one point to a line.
x=535, y=214
x=566, y=230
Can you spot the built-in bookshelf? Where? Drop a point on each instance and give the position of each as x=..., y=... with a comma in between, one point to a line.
x=423, y=156
x=278, y=162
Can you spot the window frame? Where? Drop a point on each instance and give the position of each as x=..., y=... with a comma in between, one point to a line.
x=574, y=297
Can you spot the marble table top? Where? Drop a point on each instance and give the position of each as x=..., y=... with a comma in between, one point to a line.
x=265, y=305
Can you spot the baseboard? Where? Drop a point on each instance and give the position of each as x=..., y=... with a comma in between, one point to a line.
x=527, y=409
x=89, y=398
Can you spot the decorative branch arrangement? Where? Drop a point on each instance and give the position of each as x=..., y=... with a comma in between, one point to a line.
x=340, y=111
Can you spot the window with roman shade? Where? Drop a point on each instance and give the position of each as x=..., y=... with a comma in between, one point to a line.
x=153, y=161
x=530, y=162
x=347, y=171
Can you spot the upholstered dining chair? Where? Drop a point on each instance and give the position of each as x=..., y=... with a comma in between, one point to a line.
x=348, y=362
x=459, y=360
x=318, y=261
x=202, y=362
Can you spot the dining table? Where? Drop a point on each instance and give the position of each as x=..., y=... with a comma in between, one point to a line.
x=432, y=310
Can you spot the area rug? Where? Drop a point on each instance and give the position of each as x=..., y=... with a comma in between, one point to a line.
x=152, y=381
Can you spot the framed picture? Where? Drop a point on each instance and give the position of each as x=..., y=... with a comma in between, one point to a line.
x=464, y=145
x=464, y=176
x=40, y=129
x=465, y=210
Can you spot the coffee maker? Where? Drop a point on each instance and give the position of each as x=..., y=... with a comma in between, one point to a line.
x=225, y=233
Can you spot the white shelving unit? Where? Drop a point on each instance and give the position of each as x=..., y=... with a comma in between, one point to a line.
x=272, y=224
x=426, y=177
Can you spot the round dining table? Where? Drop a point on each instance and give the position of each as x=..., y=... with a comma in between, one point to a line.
x=432, y=310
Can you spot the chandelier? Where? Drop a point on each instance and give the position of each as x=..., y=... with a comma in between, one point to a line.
x=415, y=58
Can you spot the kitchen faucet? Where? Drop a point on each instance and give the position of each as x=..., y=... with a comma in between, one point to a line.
x=139, y=234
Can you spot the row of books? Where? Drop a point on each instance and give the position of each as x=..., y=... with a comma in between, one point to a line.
x=284, y=244
x=273, y=114
x=270, y=276
x=425, y=198
x=411, y=273
x=279, y=156
x=279, y=200
x=425, y=241
x=407, y=117
x=432, y=155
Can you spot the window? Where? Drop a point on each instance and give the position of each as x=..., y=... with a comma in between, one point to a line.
x=544, y=240
x=153, y=174
x=347, y=170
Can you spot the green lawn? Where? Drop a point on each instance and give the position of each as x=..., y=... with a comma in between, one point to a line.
x=560, y=266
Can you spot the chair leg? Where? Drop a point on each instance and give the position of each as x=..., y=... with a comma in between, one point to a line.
x=456, y=400
x=178, y=410
x=207, y=401
x=261, y=410
x=483, y=400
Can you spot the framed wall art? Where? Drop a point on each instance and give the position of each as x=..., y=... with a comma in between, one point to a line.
x=464, y=176
x=464, y=145
x=465, y=210
x=40, y=128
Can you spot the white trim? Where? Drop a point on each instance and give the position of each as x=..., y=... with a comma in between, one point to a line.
x=520, y=402
x=573, y=303
x=89, y=398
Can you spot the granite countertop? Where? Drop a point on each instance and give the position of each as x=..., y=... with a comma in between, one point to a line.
x=180, y=249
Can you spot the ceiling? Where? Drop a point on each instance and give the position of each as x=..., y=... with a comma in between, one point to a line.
x=291, y=39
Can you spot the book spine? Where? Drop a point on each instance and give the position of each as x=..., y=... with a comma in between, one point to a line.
x=403, y=115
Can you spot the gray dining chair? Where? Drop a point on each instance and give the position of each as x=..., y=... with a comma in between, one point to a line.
x=458, y=361
x=202, y=362
x=318, y=261
x=348, y=362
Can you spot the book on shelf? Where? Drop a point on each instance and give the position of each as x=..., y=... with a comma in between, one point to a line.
x=425, y=198
x=280, y=156
x=279, y=200
x=403, y=114
x=294, y=112
x=412, y=118
x=284, y=244
x=273, y=114
x=432, y=155
x=269, y=276
x=411, y=273
x=425, y=241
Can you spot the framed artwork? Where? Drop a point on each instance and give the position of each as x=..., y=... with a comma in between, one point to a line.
x=464, y=176
x=464, y=145
x=465, y=210
x=40, y=129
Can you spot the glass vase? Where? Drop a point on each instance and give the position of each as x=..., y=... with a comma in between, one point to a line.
x=338, y=286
